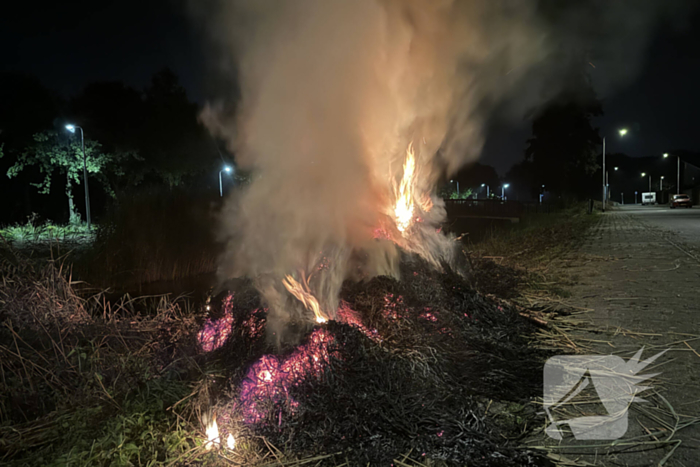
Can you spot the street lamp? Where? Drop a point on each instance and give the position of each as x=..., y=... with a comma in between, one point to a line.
x=452, y=181
x=72, y=129
x=678, y=174
x=226, y=169
x=661, y=183
x=503, y=191
x=644, y=174
x=622, y=132
x=487, y=189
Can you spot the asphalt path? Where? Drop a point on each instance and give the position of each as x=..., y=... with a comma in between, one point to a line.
x=685, y=222
x=636, y=281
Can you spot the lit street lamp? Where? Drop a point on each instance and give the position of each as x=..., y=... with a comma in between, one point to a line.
x=72, y=129
x=622, y=132
x=487, y=189
x=226, y=169
x=661, y=183
x=503, y=191
x=678, y=174
x=452, y=181
x=644, y=174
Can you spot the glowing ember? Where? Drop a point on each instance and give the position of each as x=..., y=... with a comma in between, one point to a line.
x=394, y=306
x=266, y=386
x=349, y=316
x=215, y=331
x=254, y=325
x=212, y=434
x=230, y=442
x=403, y=211
x=303, y=294
x=381, y=233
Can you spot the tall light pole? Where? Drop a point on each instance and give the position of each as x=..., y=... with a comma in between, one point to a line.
x=487, y=189
x=678, y=174
x=622, y=132
x=72, y=129
x=661, y=183
x=503, y=191
x=452, y=181
x=226, y=169
x=644, y=174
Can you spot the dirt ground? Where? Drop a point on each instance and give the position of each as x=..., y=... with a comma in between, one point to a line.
x=636, y=285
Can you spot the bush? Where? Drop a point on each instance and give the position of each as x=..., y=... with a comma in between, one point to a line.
x=153, y=235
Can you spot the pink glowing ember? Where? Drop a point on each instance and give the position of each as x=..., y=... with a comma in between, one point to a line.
x=215, y=331
x=393, y=307
x=266, y=386
x=352, y=318
x=380, y=233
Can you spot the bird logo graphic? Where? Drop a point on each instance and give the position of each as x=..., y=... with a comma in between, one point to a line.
x=614, y=382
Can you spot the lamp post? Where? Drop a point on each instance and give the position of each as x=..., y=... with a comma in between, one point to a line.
x=623, y=132
x=72, y=129
x=503, y=191
x=644, y=174
x=678, y=174
x=635, y=197
x=226, y=169
x=452, y=181
x=487, y=189
x=661, y=183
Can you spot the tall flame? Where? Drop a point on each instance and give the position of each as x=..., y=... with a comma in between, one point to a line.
x=403, y=210
x=303, y=294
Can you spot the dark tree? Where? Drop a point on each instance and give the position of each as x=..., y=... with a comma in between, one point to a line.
x=175, y=146
x=565, y=146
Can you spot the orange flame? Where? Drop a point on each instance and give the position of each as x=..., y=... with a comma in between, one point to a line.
x=302, y=293
x=403, y=210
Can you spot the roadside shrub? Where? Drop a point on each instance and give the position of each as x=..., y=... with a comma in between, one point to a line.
x=153, y=235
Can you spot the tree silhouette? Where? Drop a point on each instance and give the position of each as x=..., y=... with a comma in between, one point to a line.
x=564, y=146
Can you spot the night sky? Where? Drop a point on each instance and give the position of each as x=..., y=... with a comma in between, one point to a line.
x=69, y=44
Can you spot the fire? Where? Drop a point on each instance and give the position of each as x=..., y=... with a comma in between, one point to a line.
x=403, y=210
x=270, y=379
x=215, y=332
x=230, y=442
x=212, y=434
x=302, y=293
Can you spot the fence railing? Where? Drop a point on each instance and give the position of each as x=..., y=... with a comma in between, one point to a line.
x=494, y=207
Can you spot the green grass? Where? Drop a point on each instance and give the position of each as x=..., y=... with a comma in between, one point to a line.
x=23, y=235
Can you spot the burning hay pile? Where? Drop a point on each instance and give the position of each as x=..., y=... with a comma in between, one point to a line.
x=412, y=366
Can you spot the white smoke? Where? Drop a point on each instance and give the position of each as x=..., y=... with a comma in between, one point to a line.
x=332, y=94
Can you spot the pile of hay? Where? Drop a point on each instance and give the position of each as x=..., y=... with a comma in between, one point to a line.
x=421, y=368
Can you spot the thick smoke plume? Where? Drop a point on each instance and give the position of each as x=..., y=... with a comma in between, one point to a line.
x=332, y=95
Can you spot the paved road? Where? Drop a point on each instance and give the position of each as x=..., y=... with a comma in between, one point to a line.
x=638, y=278
x=683, y=221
